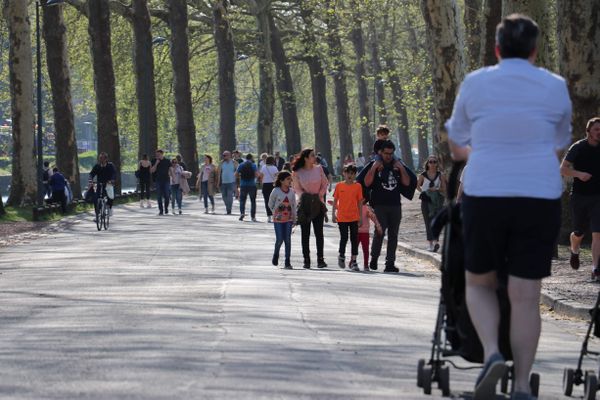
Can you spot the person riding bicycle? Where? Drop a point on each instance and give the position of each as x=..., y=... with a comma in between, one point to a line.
x=105, y=174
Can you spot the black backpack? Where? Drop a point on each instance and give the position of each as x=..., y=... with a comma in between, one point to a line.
x=246, y=171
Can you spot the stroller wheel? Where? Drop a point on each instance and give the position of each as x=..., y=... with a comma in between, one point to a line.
x=420, y=366
x=426, y=380
x=534, y=384
x=444, y=381
x=568, y=374
x=590, y=385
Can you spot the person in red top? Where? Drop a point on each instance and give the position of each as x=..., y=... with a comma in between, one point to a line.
x=347, y=201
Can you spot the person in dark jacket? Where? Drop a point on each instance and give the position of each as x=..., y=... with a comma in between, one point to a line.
x=58, y=183
x=105, y=174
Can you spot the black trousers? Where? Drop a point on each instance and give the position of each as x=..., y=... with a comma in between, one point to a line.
x=344, y=228
x=59, y=197
x=317, y=224
x=267, y=188
x=389, y=218
x=144, y=190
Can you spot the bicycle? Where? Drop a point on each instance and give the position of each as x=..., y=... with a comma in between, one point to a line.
x=102, y=213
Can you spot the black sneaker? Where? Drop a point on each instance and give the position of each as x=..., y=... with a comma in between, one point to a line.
x=436, y=247
x=306, y=265
x=574, y=261
x=373, y=265
x=341, y=262
x=288, y=265
x=160, y=213
x=275, y=259
x=353, y=266
x=596, y=275
x=166, y=211
x=321, y=263
x=391, y=269
x=242, y=217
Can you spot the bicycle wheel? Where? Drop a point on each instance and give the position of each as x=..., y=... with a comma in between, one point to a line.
x=106, y=216
x=99, y=214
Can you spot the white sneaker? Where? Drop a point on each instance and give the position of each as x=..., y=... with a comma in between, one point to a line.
x=206, y=211
x=213, y=209
x=269, y=220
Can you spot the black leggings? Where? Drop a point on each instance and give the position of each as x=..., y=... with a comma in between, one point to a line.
x=267, y=188
x=344, y=228
x=317, y=224
x=144, y=190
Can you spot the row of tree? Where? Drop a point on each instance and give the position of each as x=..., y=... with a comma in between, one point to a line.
x=327, y=63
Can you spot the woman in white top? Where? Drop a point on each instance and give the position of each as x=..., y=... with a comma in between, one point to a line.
x=432, y=185
x=268, y=174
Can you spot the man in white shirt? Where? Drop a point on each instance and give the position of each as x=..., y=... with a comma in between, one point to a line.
x=510, y=121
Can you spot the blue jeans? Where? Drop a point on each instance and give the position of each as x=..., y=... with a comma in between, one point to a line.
x=283, y=234
x=176, y=196
x=207, y=196
x=244, y=192
x=163, y=192
x=227, y=191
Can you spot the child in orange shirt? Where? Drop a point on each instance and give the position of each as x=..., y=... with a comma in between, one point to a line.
x=347, y=201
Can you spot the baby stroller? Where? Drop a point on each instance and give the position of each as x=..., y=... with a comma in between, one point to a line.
x=589, y=379
x=454, y=333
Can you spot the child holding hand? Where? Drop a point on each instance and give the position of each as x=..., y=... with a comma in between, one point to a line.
x=282, y=203
x=363, y=231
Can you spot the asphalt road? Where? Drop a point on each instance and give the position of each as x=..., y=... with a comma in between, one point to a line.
x=189, y=307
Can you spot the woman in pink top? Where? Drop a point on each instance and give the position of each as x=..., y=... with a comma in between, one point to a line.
x=310, y=184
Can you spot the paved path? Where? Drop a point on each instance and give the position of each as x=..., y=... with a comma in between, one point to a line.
x=189, y=307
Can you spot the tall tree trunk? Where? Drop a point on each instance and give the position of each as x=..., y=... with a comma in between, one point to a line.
x=60, y=82
x=579, y=54
x=400, y=110
x=23, y=187
x=286, y=92
x=473, y=21
x=266, y=76
x=226, y=59
x=357, y=39
x=490, y=18
x=318, y=85
x=339, y=81
x=540, y=12
x=447, y=64
x=144, y=74
x=374, y=41
x=104, y=83
x=180, y=54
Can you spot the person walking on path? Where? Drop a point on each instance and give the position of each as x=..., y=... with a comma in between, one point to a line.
x=384, y=180
x=160, y=170
x=279, y=161
x=364, y=234
x=247, y=174
x=175, y=175
x=310, y=184
x=282, y=202
x=510, y=120
x=226, y=180
x=145, y=179
x=582, y=162
x=267, y=174
x=58, y=184
x=206, y=183
x=432, y=185
x=346, y=212
x=46, y=174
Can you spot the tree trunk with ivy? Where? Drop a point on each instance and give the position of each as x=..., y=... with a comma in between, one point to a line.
x=473, y=19
x=60, y=82
x=447, y=64
x=266, y=70
x=24, y=178
x=184, y=113
x=540, y=11
x=318, y=85
x=104, y=83
x=226, y=64
x=144, y=75
x=286, y=92
x=490, y=18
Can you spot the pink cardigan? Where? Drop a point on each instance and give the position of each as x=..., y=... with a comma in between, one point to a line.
x=311, y=180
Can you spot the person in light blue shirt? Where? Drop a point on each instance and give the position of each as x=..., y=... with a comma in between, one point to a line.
x=511, y=121
x=226, y=180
